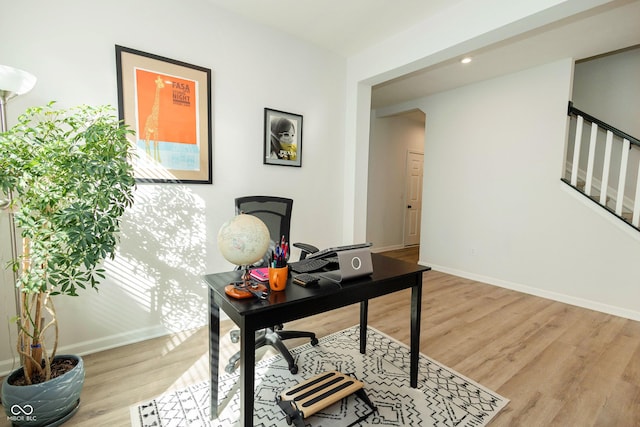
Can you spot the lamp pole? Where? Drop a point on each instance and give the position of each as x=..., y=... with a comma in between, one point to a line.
x=13, y=82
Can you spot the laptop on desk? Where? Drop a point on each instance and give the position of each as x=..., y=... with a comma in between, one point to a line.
x=352, y=264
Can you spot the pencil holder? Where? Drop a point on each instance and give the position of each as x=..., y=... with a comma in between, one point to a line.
x=278, y=278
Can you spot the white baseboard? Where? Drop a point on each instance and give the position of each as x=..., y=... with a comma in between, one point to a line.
x=386, y=248
x=566, y=299
x=101, y=344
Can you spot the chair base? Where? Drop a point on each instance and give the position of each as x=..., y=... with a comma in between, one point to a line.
x=274, y=338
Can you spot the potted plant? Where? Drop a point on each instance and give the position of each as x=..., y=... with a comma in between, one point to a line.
x=69, y=178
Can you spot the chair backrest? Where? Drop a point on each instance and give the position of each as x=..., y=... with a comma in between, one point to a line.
x=275, y=212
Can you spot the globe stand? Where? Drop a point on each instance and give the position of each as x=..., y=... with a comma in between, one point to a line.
x=246, y=288
x=243, y=241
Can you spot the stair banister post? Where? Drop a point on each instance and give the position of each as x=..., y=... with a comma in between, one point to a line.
x=635, y=221
x=591, y=160
x=576, y=151
x=624, y=160
x=606, y=167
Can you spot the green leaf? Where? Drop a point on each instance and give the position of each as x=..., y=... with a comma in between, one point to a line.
x=69, y=173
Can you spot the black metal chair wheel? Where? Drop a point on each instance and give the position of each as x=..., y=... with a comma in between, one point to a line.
x=294, y=369
x=314, y=341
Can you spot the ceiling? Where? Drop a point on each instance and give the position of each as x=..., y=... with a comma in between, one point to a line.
x=343, y=26
x=347, y=27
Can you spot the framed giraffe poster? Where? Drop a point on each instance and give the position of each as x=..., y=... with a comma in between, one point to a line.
x=168, y=105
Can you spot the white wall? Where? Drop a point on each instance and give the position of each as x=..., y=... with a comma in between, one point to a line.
x=392, y=138
x=169, y=237
x=477, y=24
x=495, y=209
x=489, y=217
x=607, y=86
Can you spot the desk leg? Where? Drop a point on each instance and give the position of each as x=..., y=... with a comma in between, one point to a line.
x=214, y=352
x=364, y=309
x=416, y=311
x=247, y=374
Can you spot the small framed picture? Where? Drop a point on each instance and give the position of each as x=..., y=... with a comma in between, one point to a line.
x=282, y=138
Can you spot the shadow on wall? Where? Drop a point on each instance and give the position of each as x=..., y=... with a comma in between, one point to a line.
x=162, y=255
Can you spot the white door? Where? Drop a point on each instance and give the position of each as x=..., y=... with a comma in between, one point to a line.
x=413, y=198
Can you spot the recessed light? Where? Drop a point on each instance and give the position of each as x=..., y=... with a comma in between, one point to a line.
x=465, y=60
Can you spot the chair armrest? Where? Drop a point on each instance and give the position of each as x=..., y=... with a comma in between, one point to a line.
x=306, y=249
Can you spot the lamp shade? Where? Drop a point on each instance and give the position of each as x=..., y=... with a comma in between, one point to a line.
x=14, y=82
x=243, y=240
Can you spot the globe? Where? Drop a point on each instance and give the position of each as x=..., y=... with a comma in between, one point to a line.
x=243, y=240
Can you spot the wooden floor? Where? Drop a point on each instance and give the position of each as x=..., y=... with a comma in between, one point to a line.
x=558, y=364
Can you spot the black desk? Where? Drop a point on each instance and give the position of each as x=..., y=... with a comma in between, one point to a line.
x=389, y=275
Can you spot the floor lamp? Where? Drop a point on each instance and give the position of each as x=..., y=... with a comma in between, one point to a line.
x=13, y=82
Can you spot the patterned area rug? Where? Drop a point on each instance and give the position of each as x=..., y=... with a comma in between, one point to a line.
x=444, y=398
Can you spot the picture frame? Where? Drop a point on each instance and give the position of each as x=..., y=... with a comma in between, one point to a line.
x=168, y=105
x=282, y=138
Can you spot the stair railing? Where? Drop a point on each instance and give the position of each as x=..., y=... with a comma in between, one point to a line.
x=600, y=163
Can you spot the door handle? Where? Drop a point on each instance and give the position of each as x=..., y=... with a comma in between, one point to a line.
x=409, y=206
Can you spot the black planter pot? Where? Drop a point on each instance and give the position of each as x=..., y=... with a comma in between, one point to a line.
x=46, y=404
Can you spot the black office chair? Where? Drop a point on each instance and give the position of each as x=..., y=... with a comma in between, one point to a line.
x=275, y=212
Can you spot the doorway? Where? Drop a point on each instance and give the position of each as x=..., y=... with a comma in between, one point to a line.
x=413, y=198
x=394, y=193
